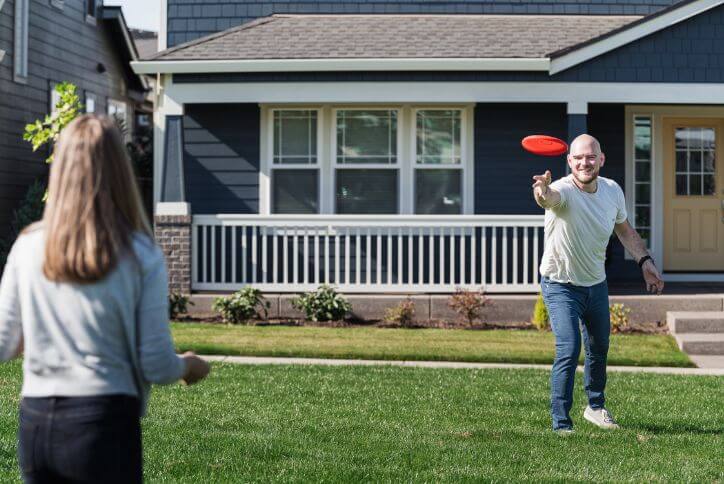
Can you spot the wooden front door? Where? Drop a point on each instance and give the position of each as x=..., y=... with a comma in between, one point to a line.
x=693, y=195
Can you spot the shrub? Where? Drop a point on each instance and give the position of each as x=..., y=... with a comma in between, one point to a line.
x=178, y=304
x=241, y=306
x=402, y=314
x=468, y=303
x=29, y=211
x=540, y=318
x=619, y=317
x=324, y=304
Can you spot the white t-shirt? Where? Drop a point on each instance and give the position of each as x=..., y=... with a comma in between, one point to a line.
x=577, y=231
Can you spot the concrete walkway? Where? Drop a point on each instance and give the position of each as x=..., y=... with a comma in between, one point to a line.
x=263, y=360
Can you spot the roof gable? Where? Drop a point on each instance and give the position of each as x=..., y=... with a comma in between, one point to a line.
x=576, y=54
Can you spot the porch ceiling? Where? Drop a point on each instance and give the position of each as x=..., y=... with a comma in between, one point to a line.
x=398, y=37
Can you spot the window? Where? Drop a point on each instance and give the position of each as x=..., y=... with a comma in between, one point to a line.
x=54, y=98
x=20, y=54
x=90, y=8
x=368, y=138
x=642, y=177
x=367, y=160
x=438, y=162
x=295, y=168
x=90, y=102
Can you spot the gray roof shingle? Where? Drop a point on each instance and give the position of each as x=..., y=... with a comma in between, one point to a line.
x=397, y=36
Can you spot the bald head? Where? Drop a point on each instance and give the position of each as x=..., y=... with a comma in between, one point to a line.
x=585, y=142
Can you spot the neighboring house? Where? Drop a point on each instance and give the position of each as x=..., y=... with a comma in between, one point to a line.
x=376, y=145
x=45, y=42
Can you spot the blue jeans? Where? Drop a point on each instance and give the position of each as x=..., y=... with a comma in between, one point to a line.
x=80, y=439
x=569, y=306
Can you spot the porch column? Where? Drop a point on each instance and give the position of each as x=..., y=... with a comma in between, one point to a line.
x=172, y=219
x=577, y=119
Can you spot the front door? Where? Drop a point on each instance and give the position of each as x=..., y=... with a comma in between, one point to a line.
x=693, y=195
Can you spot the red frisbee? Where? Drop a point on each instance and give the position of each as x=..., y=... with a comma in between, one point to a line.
x=541, y=144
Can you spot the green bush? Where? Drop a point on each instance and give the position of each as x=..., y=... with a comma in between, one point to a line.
x=540, y=318
x=29, y=211
x=468, y=303
x=324, y=304
x=241, y=306
x=178, y=304
x=402, y=314
x=619, y=317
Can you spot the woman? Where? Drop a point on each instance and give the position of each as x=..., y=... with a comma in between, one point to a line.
x=84, y=295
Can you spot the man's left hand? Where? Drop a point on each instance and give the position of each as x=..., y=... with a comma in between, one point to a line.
x=654, y=282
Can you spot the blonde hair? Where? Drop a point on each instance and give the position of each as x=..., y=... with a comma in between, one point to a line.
x=93, y=205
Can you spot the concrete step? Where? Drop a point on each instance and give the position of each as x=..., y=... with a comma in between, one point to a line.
x=701, y=343
x=708, y=361
x=680, y=322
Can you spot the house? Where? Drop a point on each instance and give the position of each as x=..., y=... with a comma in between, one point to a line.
x=376, y=145
x=45, y=42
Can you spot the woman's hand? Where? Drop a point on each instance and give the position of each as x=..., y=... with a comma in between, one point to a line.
x=196, y=368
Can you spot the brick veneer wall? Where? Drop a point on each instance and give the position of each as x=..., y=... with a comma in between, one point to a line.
x=173, y=235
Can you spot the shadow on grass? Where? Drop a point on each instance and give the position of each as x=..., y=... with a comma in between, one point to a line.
x=677, y=428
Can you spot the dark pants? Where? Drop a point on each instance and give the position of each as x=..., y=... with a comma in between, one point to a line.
x=80, y=439
x=572, y=309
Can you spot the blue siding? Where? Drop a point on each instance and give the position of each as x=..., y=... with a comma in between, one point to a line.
x=191, y=19
x=221, y=158
x=503, y=170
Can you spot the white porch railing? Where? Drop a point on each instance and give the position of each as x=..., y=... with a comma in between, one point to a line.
x=367, y=254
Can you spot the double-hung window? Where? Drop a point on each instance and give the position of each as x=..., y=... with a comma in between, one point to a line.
x=366, y=165
x=438, y=161
x=295, y=162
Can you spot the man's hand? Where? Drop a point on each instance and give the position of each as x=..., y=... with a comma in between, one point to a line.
x=544, y=195
x=654, y=282
x=540, y=186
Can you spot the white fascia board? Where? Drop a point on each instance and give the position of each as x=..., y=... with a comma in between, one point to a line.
x=629, y=35
x=576, y=93
x=326, y=65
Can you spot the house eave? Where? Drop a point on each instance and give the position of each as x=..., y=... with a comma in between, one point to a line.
x=331, y=65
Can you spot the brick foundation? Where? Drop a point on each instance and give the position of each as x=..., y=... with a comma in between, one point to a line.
x=173, y=235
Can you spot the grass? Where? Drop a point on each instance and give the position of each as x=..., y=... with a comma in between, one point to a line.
x=405, y=344
x=332, y=424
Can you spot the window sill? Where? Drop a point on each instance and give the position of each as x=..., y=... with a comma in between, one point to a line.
x=90, y=19
x=58, y=4
x=20, y=79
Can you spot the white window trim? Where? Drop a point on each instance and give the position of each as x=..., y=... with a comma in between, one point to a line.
x=59, y=4
x=630, y=173
x=267, y=165
x=90, y=95
x=21, y=25
x=327, y=148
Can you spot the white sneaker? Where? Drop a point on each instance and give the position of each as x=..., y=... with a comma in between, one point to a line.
x=600, y=417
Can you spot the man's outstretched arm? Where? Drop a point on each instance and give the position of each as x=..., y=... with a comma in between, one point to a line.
x=637, y=248
x=545, y=196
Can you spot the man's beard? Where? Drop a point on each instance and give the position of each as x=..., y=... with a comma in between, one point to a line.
x=594, y=176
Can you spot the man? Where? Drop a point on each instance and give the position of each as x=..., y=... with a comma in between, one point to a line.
x=582, y=209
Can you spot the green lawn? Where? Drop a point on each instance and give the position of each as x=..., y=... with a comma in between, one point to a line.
x=332, y=424
x=507, y=346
